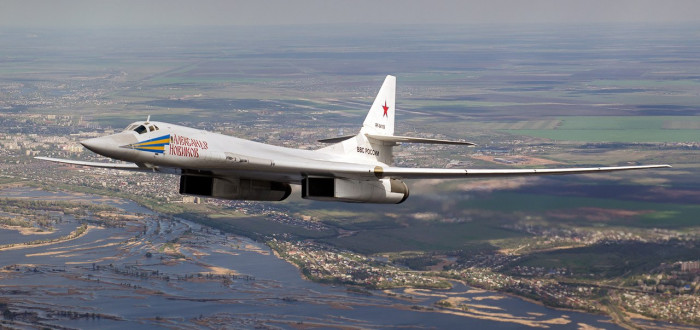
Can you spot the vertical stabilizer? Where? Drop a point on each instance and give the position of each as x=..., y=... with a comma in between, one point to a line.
x=379, y=121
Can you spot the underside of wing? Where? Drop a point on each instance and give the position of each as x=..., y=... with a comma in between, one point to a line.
x=116, y=166
x=430, y=173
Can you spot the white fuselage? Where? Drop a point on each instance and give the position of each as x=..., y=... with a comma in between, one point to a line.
x=178, y=147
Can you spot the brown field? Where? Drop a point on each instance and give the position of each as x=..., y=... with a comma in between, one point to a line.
x=516, y=160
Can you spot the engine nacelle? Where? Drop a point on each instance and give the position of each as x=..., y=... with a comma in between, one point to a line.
x=232, y=188
x=384, y=191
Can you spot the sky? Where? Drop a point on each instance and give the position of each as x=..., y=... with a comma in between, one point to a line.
x=150, y=13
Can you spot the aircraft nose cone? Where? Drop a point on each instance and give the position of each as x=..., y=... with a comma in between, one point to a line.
x=112, y=146
x=96, y=145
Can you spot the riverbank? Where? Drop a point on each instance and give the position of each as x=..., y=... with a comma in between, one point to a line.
x=77, y=233
x=319, y=280
x=107, y=271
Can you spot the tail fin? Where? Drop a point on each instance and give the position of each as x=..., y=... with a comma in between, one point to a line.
x=379, y=121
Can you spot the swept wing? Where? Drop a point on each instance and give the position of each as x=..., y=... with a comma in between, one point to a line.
x=430, y=173
x=116, y=166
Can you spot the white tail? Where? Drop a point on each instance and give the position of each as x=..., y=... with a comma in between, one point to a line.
x=379, y=121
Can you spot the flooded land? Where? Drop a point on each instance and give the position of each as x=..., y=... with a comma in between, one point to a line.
x=155, y=271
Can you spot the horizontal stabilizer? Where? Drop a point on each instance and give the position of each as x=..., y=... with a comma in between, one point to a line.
x=393, y=138
x=408, y=139
x=337, y=139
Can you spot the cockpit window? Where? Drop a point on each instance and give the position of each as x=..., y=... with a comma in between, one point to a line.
x=141, y=129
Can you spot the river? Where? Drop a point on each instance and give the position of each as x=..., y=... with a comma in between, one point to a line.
x=104, y=279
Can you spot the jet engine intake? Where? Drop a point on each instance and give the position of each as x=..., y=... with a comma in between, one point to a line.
x=384, y=191
x=234, y=188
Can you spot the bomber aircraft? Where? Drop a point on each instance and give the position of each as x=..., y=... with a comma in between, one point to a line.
x=356, y=168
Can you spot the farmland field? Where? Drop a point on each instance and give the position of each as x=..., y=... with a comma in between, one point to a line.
x=617, y=129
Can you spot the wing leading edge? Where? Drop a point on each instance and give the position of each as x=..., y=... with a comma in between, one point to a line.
x=361, y=171
x=116, y=166
x=430, y=173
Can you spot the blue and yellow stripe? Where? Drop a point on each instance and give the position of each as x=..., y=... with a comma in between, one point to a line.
x=156, y=145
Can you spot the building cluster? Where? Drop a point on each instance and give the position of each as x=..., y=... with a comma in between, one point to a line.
x=683, y=308
x=327, y=264
x=675, y=290
x=553, y=237
x=669, y=278
x=61, y=94
x=690, y=266
x=549, y=291
x=271, y=212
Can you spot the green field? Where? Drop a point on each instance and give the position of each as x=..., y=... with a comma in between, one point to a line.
x=610, y=260
x=618, y=129
x=655, y=215
x=415, y=236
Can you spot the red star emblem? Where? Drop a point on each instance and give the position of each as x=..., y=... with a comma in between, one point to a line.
x=385, y=109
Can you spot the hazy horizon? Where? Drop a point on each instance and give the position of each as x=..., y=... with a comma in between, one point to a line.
x=187, y=13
